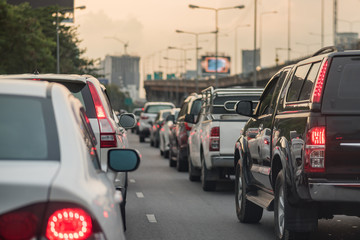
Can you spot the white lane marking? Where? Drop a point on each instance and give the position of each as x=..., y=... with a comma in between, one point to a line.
x=151, y=218
x=140, y=195
x=132, y=181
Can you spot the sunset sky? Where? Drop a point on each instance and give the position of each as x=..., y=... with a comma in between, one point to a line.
x=149, y=27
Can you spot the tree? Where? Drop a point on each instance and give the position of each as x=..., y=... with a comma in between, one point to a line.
x=28, y=42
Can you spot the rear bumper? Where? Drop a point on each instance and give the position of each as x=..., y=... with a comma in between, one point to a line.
x=330, y=191
x=222, y=161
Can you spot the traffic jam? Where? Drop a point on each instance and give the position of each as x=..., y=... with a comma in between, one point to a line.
x=273, y=153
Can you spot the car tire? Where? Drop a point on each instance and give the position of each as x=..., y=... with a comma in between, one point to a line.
x=151, y=142
x=141, y=138
x=280, y=210
x=194, y=174
x=161, y=153
x=207, y=185
x=166, y=154
x=246, y=211
x=181, y=164
x=172, y=163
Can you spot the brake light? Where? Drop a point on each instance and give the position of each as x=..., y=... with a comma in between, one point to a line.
x=315, y=150
x=214, y=143
x=107, y=133
x=69, y=223
x=99, y=108
x=187, y=127
x=215, y=132
x=18, y=225
x=320, y=83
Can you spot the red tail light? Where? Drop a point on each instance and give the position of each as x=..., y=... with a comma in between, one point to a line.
x=214, y=143
x=315, y=150
x=18, y=225
x=187, y=127
x=69, y=223
x=107, y=133
x=215, y=132
x=320, y=83
x=53, y=221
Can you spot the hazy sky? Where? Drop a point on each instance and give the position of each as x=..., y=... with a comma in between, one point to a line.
x=149, y=26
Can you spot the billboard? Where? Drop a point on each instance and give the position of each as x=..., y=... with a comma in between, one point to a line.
x=208, y=65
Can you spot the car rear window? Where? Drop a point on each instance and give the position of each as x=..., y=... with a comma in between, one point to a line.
x=157, y=108
x=342, y=87
x=218, y=103
x=82, y=92
x=27, y=129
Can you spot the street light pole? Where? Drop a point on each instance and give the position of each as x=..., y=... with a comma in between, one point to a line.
x=254, y=58
x=260, y=30
x=196, y=53
x=217, y=31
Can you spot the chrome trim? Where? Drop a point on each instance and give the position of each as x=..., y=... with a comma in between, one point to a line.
x=350, y=144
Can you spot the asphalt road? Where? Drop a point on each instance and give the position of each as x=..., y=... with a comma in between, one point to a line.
x=162, y=204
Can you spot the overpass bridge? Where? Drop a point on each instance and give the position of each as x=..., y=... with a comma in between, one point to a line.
x=176, y=90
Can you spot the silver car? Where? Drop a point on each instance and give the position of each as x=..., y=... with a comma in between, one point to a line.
x=51, y=182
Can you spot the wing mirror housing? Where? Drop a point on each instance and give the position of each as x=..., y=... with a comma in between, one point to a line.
x=127, y=120
x=244, y=108
x=123, y=160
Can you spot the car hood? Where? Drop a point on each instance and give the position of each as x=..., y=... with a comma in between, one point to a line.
x=25, y=182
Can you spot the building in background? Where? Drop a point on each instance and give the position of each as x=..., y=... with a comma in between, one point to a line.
x=123, y=71
x=248, y=61
x=347, y=40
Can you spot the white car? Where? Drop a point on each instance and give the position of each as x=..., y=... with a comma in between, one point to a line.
x=108, y=131
x=51, y=182
x=165, y=132
x=147, y=117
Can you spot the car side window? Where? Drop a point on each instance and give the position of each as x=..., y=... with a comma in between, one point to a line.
x=264, y=105
x=89, y=139
x=278, y=86
x=297, y=83
x=309, y=82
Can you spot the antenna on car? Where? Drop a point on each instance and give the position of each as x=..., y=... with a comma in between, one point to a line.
x=327, y=50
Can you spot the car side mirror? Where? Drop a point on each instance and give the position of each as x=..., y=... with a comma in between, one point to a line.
x=244, y=108
x=123, y=160
x=127, y=120
x=190, y=118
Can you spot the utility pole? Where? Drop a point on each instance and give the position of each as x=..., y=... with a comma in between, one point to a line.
x=335, y=22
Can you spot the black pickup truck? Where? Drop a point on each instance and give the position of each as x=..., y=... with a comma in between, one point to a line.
x=299, y=153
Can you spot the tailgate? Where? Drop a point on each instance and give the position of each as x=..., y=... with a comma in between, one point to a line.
x=342, y=157
x=229, y=133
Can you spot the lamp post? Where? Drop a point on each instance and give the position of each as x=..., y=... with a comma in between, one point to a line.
x=57, y=34
x=196, y=52
x=260, y=30
x=236, y=45
x=217, y=32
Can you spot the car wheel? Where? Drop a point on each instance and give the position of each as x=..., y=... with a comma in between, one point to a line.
x=141, y=138
x=151, y=142
x=181, y=164
x=280, y=202
x=246, y=211
x=206, y=184
x=194, y=174
x=161, y=153
x=166, y=154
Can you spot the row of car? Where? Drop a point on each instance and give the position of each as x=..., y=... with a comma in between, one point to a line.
x=64, y=159
x=297, y=143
